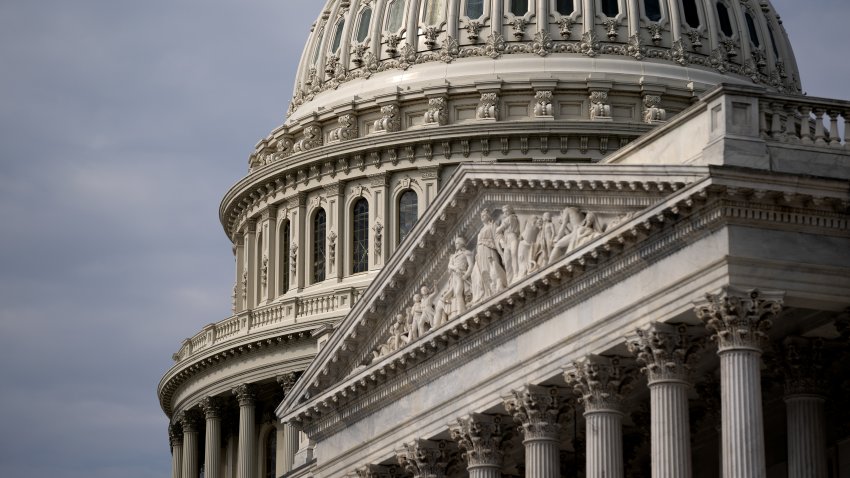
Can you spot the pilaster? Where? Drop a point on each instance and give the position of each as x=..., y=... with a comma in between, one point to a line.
x=335, y=194
x=297, y=205
x=249, y=274
x=380, y=221
x=270, y=244
x=239, y=287
x=430, y=177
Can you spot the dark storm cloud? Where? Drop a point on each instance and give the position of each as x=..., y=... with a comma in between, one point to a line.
x=121, y=126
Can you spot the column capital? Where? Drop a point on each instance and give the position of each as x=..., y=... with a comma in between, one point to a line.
x=480, y=436
x=739, y=319
x=665, y=351
x=245, y=394
x=287, y=382
x=175, y=434
x=212, y=407
x=424, y=458
x=372, y=471
x=189, y=421
x=802, y=366
x=538, y=410
x=601, y=382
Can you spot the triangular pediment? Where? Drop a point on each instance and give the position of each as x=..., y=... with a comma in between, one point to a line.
x=493, y=230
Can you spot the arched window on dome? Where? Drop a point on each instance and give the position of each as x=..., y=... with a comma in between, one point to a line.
x=340, y=26
x=395, y=16
x=611, y=8
x=318, y=48
x=408, y=213
x=320, y=223
x=773, y=41
x=691, y=11
x=652, y=9
x=474, y=8
x=751, y=28
x=270, y=449
x=360, y=236
x=434, y=12
x=363, y=22
x=284, y=243
x=565, y=7
x=519, y=7
x=724, y=19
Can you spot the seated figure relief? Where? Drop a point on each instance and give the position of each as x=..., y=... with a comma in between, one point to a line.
x=507, y=249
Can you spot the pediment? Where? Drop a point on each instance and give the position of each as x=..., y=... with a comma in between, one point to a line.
x=491, y=230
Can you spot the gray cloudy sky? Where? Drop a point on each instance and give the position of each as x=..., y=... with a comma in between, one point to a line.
x=122, y=123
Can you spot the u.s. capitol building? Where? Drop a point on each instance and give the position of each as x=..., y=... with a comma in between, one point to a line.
x=541, y=238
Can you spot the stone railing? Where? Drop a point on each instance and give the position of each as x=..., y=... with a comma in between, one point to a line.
x=285, y=312
x=806, y=121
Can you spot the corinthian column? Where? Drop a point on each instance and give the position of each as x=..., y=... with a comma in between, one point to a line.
x=189, y=422
x=290, y=435
x=666, y=351
x=247, y=459
x=212, y=446
x=372, y=471
x=175, y=438
x=424, y=458
x=480, y=436
x=804, y=402
x=739, y=321
x=538, y=411
x=601, y=383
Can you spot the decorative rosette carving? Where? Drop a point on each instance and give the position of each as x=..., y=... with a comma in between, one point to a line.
x=739, y=319
x=537, y=410
x=601, y=382
x=665, y=351
x=424, y=458
x=480, y=437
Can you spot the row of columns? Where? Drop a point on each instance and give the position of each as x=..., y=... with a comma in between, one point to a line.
x=738, y=322
x=183, y=435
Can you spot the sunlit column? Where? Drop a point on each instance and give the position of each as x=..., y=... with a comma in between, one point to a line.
x=247, y=458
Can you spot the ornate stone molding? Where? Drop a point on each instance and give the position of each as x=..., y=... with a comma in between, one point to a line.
x=665, y=351
x=488, y=107
x=481, y=438
x=739, y=319
x=438, y=111
x=424, y=458
x=537, y=410
x=347, y=128
x=245, y=394
x=601, y=383
x=390, y=120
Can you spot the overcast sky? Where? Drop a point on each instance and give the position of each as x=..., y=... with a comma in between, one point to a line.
x=122, y=124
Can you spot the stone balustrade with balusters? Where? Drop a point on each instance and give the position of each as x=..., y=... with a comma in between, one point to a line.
x=806, y=121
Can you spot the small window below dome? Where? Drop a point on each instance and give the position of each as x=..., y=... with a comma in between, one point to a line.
x=565, y=7
x=408, y=213
x=319, y=237
x=474, y=8
x=691, y=13
x=338, y=36
x=773, y=41
x=611, y=8
x=652, y=8
x=519, y=7
x=751, y=27
x=725, y=21
x=395, y=16
x=434, y=12
x=360, y=237
x=363, y=24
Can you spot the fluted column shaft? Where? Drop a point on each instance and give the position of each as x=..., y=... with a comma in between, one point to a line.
x=212, y=443
x=542, y=458
x=671, y=429
x=190, y=467
x=741, y=414
x=538, y=410
x=604, y=430
x=176, y=459
x=290, y=447
x=806, y=436
x=484, y=471
x=247, y=454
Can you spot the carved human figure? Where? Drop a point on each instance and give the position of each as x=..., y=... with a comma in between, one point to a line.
x=490, y=275
x=441, y=310
x=331, y=249
x=525, y=251
x=293, y=258
x=508, y=231
x=422, y=310
x=576, y=229
x=546, y=239
x=378, y=229
x=460, y=269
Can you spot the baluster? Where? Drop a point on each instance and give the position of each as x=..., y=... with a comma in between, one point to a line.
x=776, y=122
x=805, y=125
x=834, y=137
x=791, y=124
x=819, y=135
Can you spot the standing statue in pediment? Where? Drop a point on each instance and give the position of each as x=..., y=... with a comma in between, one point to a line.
x=489, y=277
x=546, y=239
x=508, y=233
x=422, y=310
x=527, y=251
x=460, y=270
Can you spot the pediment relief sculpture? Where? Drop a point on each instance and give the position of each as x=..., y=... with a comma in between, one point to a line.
x=508, y=247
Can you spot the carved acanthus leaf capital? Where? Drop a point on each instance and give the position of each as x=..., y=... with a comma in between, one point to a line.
x=212, y=407
x=373, y=471
x=739, y=319
x=538, y=410
x=666, y=351
x=245, y=394
x=803, y=366
x=175, y=434
x=189, y=420
x=600, y=382
x=424, y=458
x=480, y=437
x=287, y=382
